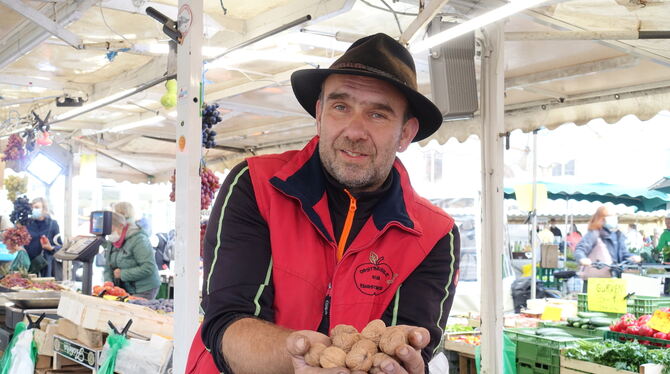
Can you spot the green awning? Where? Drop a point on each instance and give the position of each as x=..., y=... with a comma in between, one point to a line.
x=643, y=199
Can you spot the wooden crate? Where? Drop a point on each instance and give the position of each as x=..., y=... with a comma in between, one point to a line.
x=93, y=313
x=570, y=366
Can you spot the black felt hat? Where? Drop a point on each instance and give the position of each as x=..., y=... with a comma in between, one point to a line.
x=377, y=56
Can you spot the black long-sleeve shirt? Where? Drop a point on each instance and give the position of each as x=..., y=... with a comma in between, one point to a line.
x=244, y=255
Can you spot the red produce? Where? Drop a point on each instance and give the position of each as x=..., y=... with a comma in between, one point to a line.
x=633, y=330
x=643, y=319
x=660, y=335
x=646, y=330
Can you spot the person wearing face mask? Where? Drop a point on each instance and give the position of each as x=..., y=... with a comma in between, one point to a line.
x=603, y=242
x=44, y=232
x=130, y=262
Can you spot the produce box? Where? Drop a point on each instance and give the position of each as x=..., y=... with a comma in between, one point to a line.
x=570, y=366
x=93, y=313
x=540, y=352
x=462, y=342
x=594, y=333
x=648, y=304
x=644, y=340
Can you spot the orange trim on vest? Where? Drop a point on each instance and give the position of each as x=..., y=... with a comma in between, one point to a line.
x=347, y=225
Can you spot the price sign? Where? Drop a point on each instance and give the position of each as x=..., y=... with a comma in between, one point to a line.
x=660, y=321
x=551, y=313
x=607, y=295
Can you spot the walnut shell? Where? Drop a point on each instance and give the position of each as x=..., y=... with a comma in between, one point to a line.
x=339, y=329
x=332, y=357
x=360, y=356
x=373, y=331
x=392, y=338
x=346, y=340
x=314, y=353
x=378, y=358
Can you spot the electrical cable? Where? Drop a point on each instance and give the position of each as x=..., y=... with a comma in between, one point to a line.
x=225, y=11
x=395, y=15
x=386, y=10
x=110, y=29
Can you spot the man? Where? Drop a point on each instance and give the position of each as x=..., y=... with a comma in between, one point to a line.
x=634, y=239
x=663, y=245
x=555, y=230
x=302, y=241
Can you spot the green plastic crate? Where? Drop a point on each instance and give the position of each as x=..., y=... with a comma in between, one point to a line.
x=574, y=330
x=527, y=367
x=620, y=337
x=543, y=350
x=648, y=304
x=583, y=306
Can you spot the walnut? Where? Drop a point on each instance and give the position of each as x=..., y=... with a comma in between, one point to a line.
x=339, y=329
x=360, y=356
x=373, y=331
x=346, y=340
x=314, y=353
x=392, y=338
x=332, y=357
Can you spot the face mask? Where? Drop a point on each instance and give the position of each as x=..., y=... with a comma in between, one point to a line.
x=113, y=237
x=611, y=222
x=37, y=213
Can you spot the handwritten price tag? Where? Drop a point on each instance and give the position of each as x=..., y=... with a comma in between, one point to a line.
x=660, y=321
x=551, y=313
x=607, y=295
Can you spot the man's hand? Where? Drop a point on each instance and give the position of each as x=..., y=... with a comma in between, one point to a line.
x=585, y=262
x=117, y=273
x=409, y=354
x=298, y=344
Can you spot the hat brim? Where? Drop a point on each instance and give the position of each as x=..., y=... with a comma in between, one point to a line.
x=307, y=83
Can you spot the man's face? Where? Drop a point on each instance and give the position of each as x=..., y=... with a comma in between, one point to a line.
x=360, y=122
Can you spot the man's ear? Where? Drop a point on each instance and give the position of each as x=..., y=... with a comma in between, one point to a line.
x=408, y=132
x=318, y=116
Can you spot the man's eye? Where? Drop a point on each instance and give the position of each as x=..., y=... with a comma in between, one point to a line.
x=378, y=116
x=339, y=107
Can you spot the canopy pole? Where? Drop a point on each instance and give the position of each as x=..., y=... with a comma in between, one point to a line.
x=187, y=185
x=533, y=228
x=493, y=126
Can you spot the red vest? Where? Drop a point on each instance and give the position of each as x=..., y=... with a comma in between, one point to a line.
x=401, y=231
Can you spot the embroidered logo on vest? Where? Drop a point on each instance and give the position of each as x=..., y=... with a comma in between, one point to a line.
x=374, y=277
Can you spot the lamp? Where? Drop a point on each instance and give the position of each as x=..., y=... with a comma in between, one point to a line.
x=497, y=14
x=48, y=163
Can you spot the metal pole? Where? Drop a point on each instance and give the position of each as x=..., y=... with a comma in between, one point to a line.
x=187, y=188
x=493, y=125
x=69, y=212
x=533, y=230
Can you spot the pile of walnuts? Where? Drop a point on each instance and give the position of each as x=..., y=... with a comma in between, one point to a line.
x=364, y=351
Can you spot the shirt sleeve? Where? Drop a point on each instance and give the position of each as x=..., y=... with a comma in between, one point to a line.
x=426, y=296
x=236, y=263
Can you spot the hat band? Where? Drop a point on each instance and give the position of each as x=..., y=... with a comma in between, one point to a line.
x=359, y=66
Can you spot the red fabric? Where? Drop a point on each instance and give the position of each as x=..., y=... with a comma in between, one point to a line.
x=377, y=261
x=119, y=243
x=199, y=359
x=363, y=283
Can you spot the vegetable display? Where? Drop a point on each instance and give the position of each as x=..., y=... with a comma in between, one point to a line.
x=622, y=356
x=17, y=282
x=159, y=305
x=108, y=288
x=628, y=324
x=359, y=351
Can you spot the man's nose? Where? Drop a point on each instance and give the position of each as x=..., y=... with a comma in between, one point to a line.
x=356, y=127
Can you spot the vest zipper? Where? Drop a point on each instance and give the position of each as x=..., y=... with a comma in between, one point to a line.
x=324, y=326
x=347, y=225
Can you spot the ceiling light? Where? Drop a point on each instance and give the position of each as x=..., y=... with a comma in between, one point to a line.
x=473, y=24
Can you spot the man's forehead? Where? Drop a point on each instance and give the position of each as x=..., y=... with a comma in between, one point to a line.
x=345, y=83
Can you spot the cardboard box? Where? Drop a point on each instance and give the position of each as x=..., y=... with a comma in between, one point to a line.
x=67, y=329
x=44, y=339
x=549, y=259
x=90, y=338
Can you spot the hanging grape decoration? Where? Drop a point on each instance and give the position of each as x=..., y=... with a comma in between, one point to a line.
x=14, y=149
x=210, y=117
x=209, y=184
x=22, y=211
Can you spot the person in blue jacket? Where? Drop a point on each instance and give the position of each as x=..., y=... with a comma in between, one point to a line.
x=45, y=232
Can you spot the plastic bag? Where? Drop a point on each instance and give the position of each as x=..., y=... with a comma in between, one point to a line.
x=141, y=356
x=21, y=352
x=509, y=356
x=114, y=343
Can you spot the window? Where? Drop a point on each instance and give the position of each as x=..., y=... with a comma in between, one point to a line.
x=433, y=162
x=556, y=170
x=569, y=168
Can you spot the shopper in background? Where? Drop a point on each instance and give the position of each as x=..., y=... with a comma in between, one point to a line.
x=44, y=230
x=634, y=238
x=129, y=259
x=603, y=242
x=554, y=229
x=663, y=245
x=573, y=238
x=126, y=209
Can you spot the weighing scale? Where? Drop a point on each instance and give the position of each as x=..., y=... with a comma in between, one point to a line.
x=84, y=248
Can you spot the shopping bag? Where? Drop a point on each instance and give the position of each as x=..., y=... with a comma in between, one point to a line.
x=115, y=343
x=21, y=352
